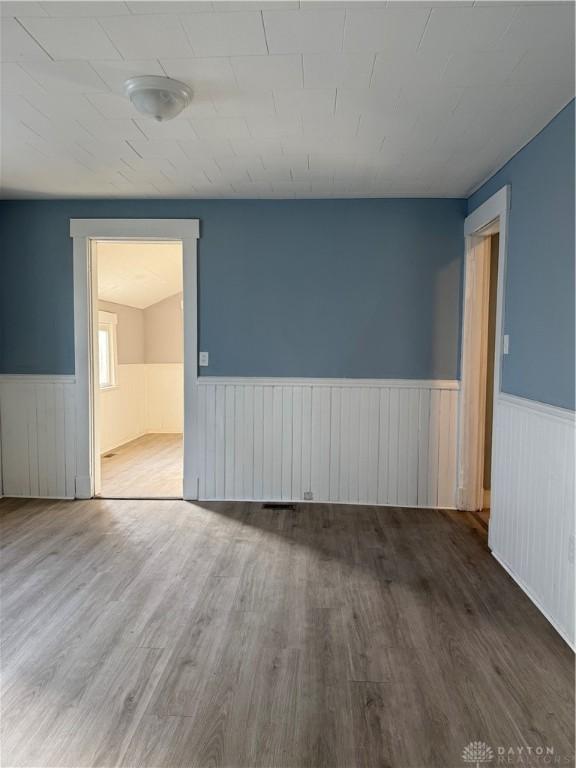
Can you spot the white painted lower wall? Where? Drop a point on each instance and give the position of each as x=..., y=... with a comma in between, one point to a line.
x=532, y=495
x=122, y=408
x=149, y=398
x=164, y=403
x=352, y=440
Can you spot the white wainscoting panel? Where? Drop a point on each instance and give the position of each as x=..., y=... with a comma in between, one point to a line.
x=351, y=441
x=164, y=406
x=149, y=398
x=532, y=495
x=123, y=408
x=37, y=418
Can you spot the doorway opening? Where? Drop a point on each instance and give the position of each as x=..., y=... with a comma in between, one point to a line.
x=482, y=348
x=138, y=344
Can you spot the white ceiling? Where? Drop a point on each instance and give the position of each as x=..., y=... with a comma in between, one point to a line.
x=138, y=274
x=292, y=99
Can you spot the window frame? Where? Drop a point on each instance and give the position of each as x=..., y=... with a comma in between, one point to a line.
x=108, y=322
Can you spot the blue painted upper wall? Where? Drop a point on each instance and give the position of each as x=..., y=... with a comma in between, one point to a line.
x=539, y=290
x=310, y=288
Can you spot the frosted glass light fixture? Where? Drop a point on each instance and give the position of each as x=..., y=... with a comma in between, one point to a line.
x=159, y=97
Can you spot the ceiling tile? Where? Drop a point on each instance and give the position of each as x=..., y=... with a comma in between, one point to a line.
x=65, y=76
x=16, y=44
x=55, y=128
x=114, y=73
x=386, y=128
x=549, y=65
x=21, y=9
x=246, y=103
x=473, y=29
x=230, y=6
x=223, y=127
x=305, y=31
x=541, y=26
x=270, y=174
x=238, y=165
x=399, y=70
x=112, y=105
x=200, y=150
x=311, y=104
x=224, y=34
x=147, y=37
x=309, y=176
x=339, y=70
x=85, y=8
x=142, y=164
x=398, y=28
x=63, y=105
x=251, y=146
x=72, y=38
x=15, y=80
x=272, y=127
x=271, y=72
x=342, y=4
x=168, y=6
x=286, y=162
x=422, y=102
x=211, y=77
x=340, y=126
x=162, y=148
x=114, y=129
x=16, y=107
x=478, y=68
x=351, y=103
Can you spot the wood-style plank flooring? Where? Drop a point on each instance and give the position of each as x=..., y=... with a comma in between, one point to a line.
x=150, y=466
x=162, y=634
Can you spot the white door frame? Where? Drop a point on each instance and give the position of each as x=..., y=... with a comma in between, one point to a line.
x=490, y=217
x=83, y=231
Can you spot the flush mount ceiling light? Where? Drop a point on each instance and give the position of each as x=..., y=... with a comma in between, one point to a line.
x=159, y=97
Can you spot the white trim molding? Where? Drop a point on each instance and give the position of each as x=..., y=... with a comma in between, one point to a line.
x=354, y=441
x=137, y=229
x=269, y=381
x=490, y=217
x=550, y=411
x=39, y=377
x=496, y=206
x=84, y=232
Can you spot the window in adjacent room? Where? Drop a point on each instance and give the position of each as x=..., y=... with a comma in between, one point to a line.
x=107, y=356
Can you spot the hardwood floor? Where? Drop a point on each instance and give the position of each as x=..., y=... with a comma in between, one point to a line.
x=150, y=466
x=162, y=634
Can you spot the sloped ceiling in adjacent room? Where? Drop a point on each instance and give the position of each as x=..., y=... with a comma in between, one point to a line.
x=138, y=274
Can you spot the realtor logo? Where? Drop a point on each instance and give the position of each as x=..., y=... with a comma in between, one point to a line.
x=477, y=753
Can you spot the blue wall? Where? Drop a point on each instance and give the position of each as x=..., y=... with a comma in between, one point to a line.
x=340, y=288
x=539, y=293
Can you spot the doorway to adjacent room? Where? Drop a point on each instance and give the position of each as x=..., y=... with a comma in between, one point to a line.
x=139, y=389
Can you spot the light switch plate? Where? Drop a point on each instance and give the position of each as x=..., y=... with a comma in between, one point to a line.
x=506, y=344
x=203, y=359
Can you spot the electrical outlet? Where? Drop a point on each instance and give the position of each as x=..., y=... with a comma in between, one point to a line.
x=506, y=344
x=308, y=496
x=203, y=359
